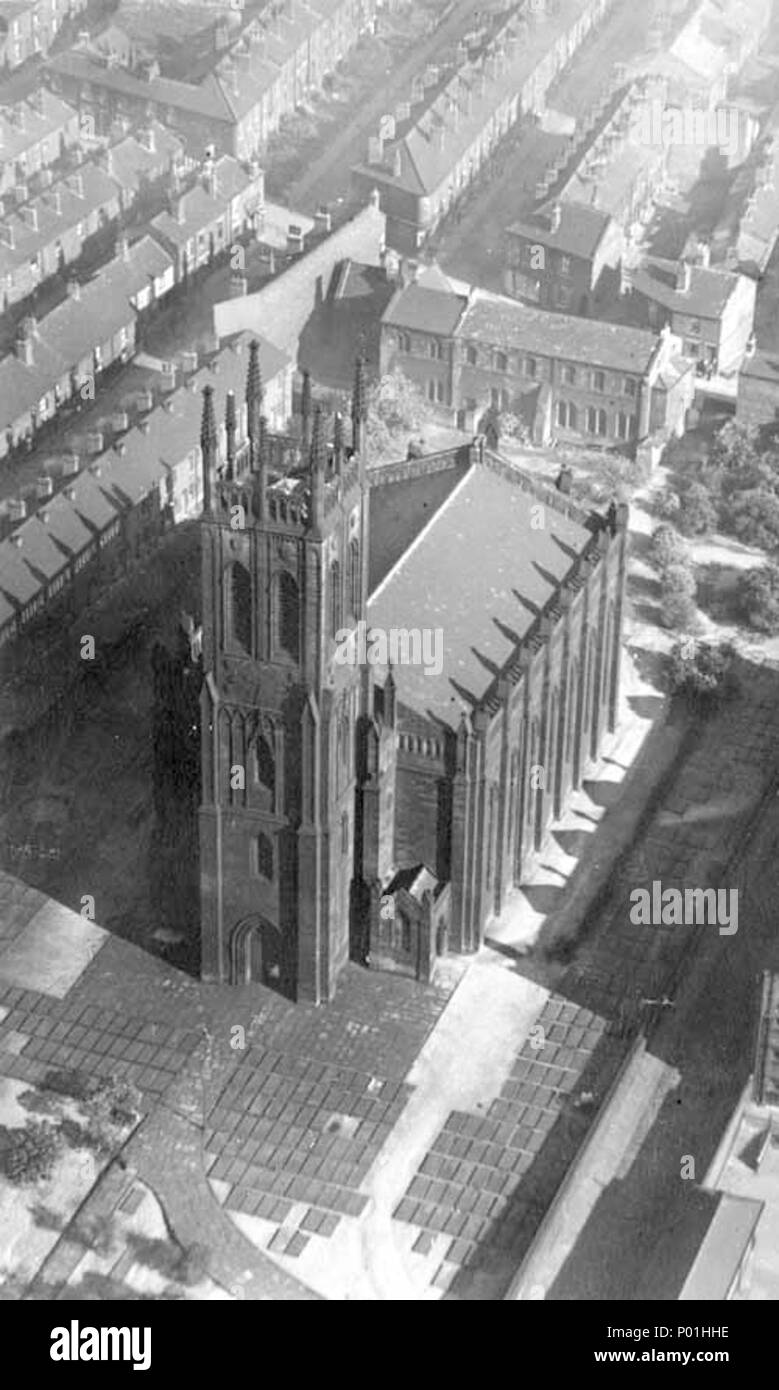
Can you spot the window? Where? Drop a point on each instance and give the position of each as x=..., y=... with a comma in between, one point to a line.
x=563, y=296
x=404, y=342
x=599, y=381
x=264, y=765
x=629, y=386
x=569, y=374
x=240, y=607
x=695, y=328
x=501, y=362
x=471, y=357
x=335, y=598
x=288, y=615
x=565, y=265
x=405, y=934
x=596, y=421
x=436, y=350
x=495, y=397
x=354, y=577
x=531, y=367
x=440, y=391
x=263, y=857
x=431, y=391
x=625, y=425
x=566, y=415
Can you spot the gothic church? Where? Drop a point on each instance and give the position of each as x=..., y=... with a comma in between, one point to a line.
x=383, y=814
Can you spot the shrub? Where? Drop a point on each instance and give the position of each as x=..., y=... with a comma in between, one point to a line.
x=758, y=595
x=701, y=673
x=754, y=518
x=666, y=503
x=667, y=548
x=697, y=515
x=678, y=611
x=29, y=1155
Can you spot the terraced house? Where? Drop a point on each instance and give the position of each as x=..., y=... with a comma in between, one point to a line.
x=283, y=55
x=65, y=353
x=574, y=379
x=29, y=27
x=427, y=153
x=33, y=135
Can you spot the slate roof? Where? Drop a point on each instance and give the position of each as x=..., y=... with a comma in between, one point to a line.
x=54, y=114
x=427, y=311
x=99, y=190
x=16, y=578
x=763, y=365
x=131, y=161
x=480, y=572
x=504, y=322
x=710, y=288
x=424, y=165
x=581, y=229
x=71, y=331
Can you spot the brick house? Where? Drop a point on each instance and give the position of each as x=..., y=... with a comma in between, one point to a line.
x=709, y=308
x=429, y=152
x=568, y=378
x=565, y=256
x=33, y=135
x=91, y=329
x=28, y=27
x=48, y=233
x=282, y=56
x=202, y=222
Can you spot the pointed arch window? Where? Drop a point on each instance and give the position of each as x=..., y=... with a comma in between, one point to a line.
x=335, y=598
x=265, y=766
x=288, y=615
x=263, y=857
x=354, y=577
x=239, y=591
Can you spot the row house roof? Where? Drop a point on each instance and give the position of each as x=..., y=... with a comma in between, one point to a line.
x=43, y=220
x=423, y=158
x=25, y=123
x=80, y=323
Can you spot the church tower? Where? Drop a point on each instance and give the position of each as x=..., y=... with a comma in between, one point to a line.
x=285, y=570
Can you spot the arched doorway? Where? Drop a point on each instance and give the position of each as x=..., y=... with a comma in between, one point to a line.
x=255, y=953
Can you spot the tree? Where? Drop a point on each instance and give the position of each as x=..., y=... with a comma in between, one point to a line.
x=701, y=673
x=396, y=411
x=753, y=516
x=667, y=548
x=666, y=503
x=733, y=448
x=758, y=594
x=697, y=515
x=678, y=598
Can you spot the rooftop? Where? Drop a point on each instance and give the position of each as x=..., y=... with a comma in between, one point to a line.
x=481, y=574
x=710, y=287
x=445, y=130
x=580, y=230
x=503, y=322
x=27, y=122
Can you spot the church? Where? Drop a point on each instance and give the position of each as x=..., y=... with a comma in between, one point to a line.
x=381, y=810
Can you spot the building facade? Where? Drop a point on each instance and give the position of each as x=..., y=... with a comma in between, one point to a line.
x=377, y=808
